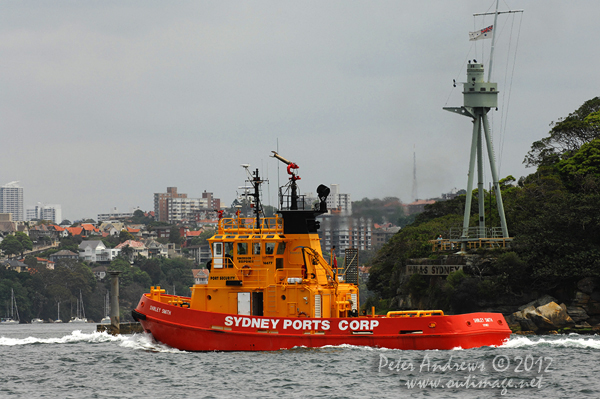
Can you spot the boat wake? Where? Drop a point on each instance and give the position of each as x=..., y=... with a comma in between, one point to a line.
x=74, y=337
x=143, y=342
x=147, y=343
x=569, y=341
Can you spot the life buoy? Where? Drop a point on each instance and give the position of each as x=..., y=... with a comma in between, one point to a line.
x=246, y=270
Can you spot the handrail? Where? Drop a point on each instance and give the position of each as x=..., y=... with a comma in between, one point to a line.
x=415, y=313
x=243, y=225
x=471, y=243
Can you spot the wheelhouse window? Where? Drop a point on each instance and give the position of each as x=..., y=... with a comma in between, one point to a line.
x=256, y=248
x=242, y=248
x=228, y=259
x=269, y=248
x=281, y=248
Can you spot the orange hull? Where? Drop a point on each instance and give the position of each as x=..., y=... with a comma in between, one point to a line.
x=195, y=330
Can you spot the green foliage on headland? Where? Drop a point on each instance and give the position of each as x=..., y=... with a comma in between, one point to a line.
x=39, y=292
x=553, y=215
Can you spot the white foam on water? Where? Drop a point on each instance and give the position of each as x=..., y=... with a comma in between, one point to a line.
x=146, y=342
x=75, y=336
x=569, y=341
x=348, y=346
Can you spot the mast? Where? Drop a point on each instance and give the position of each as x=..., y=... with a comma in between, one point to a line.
x=479, y=97
x=493, y=43
x=256, y=181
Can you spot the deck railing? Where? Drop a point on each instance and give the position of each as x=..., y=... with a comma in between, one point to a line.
x=242, y=225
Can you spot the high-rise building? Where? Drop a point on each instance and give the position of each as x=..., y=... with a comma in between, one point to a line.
x=338, y=202
x=173, y=207
x=11, y=200
x=345, y=232
x=161, y=207
x=52, y=212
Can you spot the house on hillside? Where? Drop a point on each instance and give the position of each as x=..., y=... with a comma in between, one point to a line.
x=95, y=251
x=201, y=253
x=45, y=232
x=99, y=272
x=63, y=254
x=48, y=264
x=15, y=265
x=155, y=248
x=382, y=233
x=75, y=231
x=136, y=233
x=200, y=276
x=138, y=248
x=90, y=230
x=111, y=228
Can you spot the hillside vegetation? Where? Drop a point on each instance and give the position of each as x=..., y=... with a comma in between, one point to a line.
x=553, y=215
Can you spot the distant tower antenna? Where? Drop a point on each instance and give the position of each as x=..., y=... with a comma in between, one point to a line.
x=415, y=191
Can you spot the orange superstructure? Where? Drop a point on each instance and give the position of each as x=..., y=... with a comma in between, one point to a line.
x=266, y=271
x=270, y=288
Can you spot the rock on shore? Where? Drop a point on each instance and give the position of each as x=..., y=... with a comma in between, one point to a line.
x=545, y=315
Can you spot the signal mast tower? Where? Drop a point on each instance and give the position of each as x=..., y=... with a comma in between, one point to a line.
x=479, y=96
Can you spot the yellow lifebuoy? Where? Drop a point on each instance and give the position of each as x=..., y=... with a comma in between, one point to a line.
x=246, y=270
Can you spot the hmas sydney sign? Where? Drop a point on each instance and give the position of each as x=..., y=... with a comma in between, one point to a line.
x=432, y=270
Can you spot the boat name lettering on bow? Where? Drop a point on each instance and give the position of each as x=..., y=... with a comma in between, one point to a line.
x=304, y=324
x=483, y=320
x=300, y=324
x=160, y=310
x=358, y=325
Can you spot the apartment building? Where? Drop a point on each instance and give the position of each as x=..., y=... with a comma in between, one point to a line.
x=52, y=212
x=11, y=200
x=173, y=207
x=345, y=232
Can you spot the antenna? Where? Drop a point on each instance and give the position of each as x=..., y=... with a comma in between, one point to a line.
x=478, y=98
x=415, y=194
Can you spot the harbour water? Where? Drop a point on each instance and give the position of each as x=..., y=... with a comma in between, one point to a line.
x=74, y=361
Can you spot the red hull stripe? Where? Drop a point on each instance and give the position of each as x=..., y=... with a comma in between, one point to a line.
x=195, y=330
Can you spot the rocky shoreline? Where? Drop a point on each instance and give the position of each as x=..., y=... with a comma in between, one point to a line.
x=546, y=315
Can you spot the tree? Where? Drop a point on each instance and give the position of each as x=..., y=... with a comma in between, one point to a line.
x=124, y=235
x=203, y=237
x=11, y=246
x=139, y=217
x=584, y=162
x=126, y=252
x=25, y=241
x=567, y=135
x=175, y=236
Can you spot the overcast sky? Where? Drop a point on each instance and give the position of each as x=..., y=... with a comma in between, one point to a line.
x=104, y=103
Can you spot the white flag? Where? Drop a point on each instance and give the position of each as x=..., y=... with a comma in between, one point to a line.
x=485, y=33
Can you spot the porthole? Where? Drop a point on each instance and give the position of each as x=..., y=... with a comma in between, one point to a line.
x=283, y=297
x=209, y=297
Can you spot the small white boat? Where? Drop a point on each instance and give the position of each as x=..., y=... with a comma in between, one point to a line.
x=80, y=318
x=12, y=315
x=58, y=320
x=106, y=319
x=37, y=321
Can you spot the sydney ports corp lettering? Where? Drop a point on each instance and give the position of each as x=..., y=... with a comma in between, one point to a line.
x=300, y=324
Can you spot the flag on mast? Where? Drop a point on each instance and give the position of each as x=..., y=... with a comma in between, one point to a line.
x=485, y=33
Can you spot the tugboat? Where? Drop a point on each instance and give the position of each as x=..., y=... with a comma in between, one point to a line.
x=270, y=288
